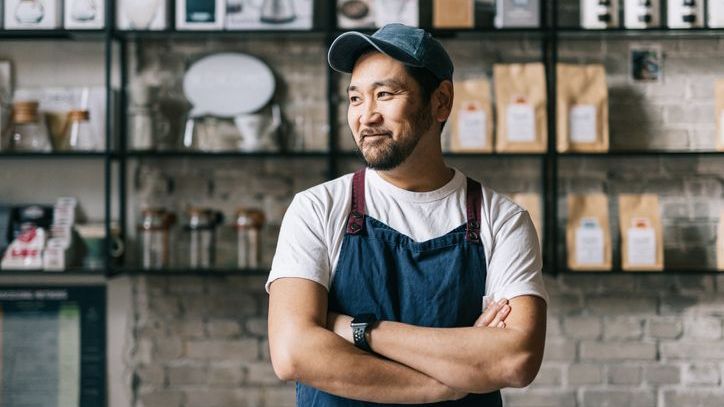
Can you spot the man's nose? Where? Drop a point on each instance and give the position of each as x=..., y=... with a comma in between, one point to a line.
x=370, y=115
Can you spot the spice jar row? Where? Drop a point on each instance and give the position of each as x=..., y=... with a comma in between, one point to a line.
x=198, y=234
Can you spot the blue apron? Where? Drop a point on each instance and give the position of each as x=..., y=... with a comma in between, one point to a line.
x=437, y=283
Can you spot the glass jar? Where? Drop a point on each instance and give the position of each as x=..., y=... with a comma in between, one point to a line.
x=200, y=236
x=147, y=127
x=249, y=223
x=27, y=131
x=155, y=238
x=79, y=133
x=29, y=11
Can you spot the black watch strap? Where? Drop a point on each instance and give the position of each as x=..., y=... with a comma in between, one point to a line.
x=360, y=326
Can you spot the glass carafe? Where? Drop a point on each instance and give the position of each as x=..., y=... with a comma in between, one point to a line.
x=29, y=11
x=27, y=131
x=79, y=132
x=83, y=10
x=277, y=11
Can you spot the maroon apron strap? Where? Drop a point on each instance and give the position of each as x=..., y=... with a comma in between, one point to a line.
x=356, y=217
x=473, y=204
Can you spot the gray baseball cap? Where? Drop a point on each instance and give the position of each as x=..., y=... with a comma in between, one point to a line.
x=409, y=45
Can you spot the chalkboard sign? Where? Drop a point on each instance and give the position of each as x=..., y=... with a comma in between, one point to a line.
x=52, y=346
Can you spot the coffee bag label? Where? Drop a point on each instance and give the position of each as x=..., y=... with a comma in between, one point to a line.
x=521, y=122
x=582, y=123
x=641, y=245
x=472, y=126
x=589, y=243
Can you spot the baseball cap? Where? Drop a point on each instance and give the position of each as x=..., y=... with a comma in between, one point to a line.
x=410, y=45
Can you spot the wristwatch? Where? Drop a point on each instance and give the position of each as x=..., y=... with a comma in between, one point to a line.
x=361, y=324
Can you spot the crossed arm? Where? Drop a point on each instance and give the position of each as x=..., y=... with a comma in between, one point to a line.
x=420, y=365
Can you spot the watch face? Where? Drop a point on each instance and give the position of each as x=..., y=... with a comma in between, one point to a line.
x=363, y=319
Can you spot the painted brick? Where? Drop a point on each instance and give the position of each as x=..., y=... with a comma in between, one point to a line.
x=617, y=351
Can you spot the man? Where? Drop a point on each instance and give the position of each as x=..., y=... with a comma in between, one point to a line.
x=378, y=279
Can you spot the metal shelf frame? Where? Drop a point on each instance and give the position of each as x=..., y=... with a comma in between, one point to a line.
x=117, y=155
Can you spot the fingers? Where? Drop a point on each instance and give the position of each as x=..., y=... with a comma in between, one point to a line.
x=491, y=312
x=500, y=315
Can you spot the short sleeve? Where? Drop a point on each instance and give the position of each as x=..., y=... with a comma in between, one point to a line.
x=515, y=266
x=301, y=250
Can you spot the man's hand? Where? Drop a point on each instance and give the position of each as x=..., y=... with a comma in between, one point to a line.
x=494, y=315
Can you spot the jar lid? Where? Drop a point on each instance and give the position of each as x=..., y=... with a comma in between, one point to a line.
x=79, y=115
x=250, y=217
x=156, y=218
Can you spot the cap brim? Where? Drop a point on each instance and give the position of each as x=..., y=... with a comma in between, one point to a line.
x=346, y=49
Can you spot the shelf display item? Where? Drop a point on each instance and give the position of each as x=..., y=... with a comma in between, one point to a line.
x=269, y=14
x=200, y=237
x=27, y=131
x=60, y=251
x=355, y=14
x=588, y=235
x=640, y=14
x=155, y=238
x=642, y=242
x=715, y=14
x=6, y=92
x=720, y=242
x=471, y=118
x=259, y=131
x=582, y=108
x=84, y=14
x=531, y=202
x=520, y=94
x=249, y=224
x=79, y=132
x=599, y=14
x=397, y=11
x=142, y=15
x=26, y=251
x=719, y=114
x=200, y=14
x=56, y=103
x=685, y=13
x=32, y=14
x=147, y=127
x=517, y=13
x=453, y=13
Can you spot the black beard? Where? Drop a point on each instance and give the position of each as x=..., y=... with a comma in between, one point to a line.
x=393, y=153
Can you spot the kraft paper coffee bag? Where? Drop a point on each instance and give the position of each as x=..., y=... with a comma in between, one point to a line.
x=720, y=242
x=582, y=108
x=520, y=95
x=719, y=90
x=531, y=202
x=642, y=240
x=453, y=13
x=588, y=234
x=472, y=117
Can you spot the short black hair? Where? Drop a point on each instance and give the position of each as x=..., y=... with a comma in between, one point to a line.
x=427, y=80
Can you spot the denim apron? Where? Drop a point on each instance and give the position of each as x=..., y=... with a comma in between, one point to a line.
x=437, y=283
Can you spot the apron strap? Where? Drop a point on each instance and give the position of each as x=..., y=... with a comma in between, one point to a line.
x=356, y=217
x=473, y=203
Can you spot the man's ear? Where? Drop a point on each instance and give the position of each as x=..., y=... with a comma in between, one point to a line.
x=442, y=101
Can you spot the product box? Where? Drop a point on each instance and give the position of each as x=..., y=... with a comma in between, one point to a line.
x=269, y=15
x=142, y=15
x=200, y=14
x=32, y=15
x=715, y=14
x=453, y=14
x=517, y=13
x=599, y=14
x=639, y=14
x=685, y=13
x=84, y=14
x=397, y=11
x=355, y=14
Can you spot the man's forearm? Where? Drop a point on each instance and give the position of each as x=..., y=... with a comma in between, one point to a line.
x=327, y=362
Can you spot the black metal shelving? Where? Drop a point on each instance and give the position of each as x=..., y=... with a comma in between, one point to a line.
x=117, y=154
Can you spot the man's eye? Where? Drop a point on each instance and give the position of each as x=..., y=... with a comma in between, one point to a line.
x=353, y=99
x=383, y=94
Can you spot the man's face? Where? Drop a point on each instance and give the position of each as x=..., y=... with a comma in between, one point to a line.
x=386, y=112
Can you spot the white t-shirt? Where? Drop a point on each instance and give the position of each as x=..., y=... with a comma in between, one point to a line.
x=313, y=227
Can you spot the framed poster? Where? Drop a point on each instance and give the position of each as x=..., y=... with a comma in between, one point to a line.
x=53, y=346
